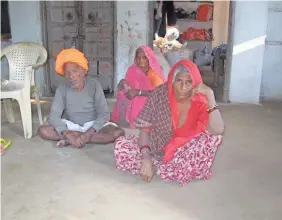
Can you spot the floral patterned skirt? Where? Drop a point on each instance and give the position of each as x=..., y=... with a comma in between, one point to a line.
x=192, y=161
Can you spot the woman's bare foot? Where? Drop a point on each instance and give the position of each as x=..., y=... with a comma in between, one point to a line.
x=62, y=143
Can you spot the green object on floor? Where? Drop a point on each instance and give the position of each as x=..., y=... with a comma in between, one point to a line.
x=4, y=145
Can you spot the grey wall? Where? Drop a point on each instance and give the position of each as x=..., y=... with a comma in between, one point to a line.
x=250, y=20
x=26, y=26
x=271, y=87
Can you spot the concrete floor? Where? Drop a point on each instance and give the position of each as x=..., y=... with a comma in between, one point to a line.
x=42, y=182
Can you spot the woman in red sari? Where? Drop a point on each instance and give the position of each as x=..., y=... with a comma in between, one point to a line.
x=180, y=130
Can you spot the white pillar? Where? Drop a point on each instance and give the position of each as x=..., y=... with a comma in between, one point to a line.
x=271, y=88
x=250, y=21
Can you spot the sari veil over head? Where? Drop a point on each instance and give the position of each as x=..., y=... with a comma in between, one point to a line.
x=136, y=79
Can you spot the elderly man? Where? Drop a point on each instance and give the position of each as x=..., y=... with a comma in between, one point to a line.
x=83, y=99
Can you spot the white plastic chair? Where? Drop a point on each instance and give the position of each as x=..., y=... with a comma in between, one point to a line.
x=23, y=59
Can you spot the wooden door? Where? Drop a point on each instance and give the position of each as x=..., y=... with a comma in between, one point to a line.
x=98, y=45
x=87, y=26
x=62, y=32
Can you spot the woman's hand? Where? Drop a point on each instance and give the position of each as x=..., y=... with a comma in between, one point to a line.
x=216, y=124
x=147, y=169
x=207, y=91
x=202, y=88
x=131, y=93
x=121, y=84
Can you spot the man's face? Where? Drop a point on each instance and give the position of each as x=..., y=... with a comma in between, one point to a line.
x=74, y=74
x=182, y=86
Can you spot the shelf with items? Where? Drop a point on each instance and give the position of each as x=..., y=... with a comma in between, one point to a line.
x=198, y=44
x=193, y=20
x=195, y=30
x=184, y=24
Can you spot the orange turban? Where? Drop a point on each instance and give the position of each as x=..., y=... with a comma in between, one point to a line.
x=70, y=55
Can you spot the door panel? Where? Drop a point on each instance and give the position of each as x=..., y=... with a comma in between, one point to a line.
x=62, y=31
x=105, y=68
x=87, y=26
x=98, y=29
x=92, y=66
x=91, y=34
x=90, y=50
x=105, y=33
x=62, y=3
x=97, y=15
x=104, y=50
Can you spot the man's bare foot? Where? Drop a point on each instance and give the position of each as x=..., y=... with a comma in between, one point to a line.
x=62, y=143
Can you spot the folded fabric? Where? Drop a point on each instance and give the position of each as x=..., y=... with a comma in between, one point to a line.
x=75, y=127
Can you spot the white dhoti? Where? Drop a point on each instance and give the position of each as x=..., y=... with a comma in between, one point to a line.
x=76, y=127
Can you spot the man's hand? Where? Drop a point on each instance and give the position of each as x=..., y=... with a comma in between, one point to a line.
x=147, y=169
x=131, y=93
x=84, y=138
x=71, y=137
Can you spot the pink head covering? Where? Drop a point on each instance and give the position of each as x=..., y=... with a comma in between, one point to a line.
x=137, y=79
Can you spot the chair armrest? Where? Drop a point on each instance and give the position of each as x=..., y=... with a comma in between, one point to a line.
x=42, y=59
x=28, y=76
x=35, y=66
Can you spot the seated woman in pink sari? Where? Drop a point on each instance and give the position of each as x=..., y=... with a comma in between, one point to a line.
x=141, y=78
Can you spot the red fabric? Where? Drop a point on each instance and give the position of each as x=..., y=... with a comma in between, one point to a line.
x=204, y=12
x=195, y=34
x=197, y=116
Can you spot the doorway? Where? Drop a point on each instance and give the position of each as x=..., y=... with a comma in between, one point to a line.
x=86, y=26
x=207, y=40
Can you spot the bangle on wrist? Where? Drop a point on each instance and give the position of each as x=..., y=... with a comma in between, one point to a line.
x=145, y=147
x=210, y=110
x=140, y=92
x=145, y=152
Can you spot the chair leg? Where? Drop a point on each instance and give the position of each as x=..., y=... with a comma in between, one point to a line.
x=37, y=99
x=8, y=106
x=25, y=107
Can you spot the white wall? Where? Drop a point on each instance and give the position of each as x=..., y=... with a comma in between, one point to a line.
x=250, y=20
x=25, y=24
x=271, y=88
x=132, y=31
